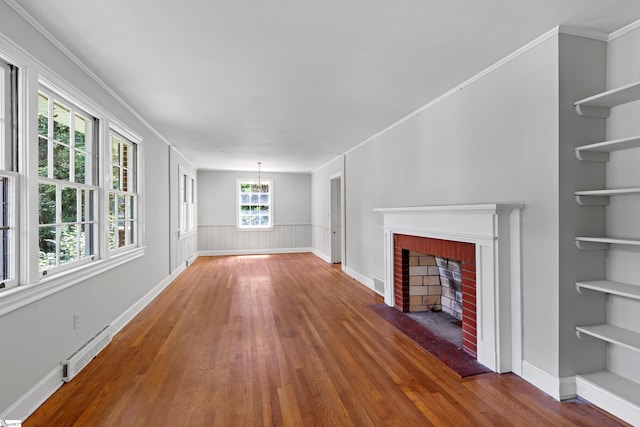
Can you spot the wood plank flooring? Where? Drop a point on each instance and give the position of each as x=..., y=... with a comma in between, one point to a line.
x=285, y=340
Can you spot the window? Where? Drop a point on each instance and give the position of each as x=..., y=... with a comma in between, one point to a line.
x=255, y=204
x=8, y=151
x=67, y=183
x=187, y=202
x=123, y=196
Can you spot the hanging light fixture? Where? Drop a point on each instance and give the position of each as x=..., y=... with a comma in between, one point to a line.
x=258, y=188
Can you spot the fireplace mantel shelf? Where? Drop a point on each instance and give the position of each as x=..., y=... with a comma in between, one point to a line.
x=482, y=207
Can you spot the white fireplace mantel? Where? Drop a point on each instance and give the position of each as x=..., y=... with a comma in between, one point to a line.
x=495, y=229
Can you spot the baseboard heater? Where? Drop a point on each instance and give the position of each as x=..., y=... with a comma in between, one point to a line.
x=81, y=357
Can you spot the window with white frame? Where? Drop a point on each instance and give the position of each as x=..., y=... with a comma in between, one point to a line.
x=187, y=191
x=8, y=182
x=123, y=193
x=255, y=204
x=67, y=183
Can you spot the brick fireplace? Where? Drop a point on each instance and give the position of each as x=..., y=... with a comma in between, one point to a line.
x=463, y=252
x=485, y=238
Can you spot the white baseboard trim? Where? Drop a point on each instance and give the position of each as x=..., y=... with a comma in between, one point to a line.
x=39, y=393
x=558, y=388
x=32, y=399
x=254, y=251
x=322, y=256
x=126, y=317
x=359, y=277
x=608, y=401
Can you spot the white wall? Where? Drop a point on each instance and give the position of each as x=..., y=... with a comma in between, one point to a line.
x=495, y=141
x=38, y=336
x=623, y=67
x=217, y=231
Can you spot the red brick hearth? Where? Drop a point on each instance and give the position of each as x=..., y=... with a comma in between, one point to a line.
x=459, y=251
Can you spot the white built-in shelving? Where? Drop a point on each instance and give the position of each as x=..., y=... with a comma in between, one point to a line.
x=599, y=105
x=611, y=391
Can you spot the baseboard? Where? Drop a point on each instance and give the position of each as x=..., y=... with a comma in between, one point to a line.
x=126, y=317
x=39, y=393
x=32, y=399
x=558, y=388
x=254, y=251
x=359, y=277
x=608, y=401
x=326, y=258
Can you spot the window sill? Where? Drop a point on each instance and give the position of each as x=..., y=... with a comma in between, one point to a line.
x=20, y=296
x=186, y=234
x=255, y=228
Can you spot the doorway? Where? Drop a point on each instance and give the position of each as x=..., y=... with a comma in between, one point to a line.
x=336, y=220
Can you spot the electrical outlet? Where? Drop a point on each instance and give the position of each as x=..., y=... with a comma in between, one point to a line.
x=76, y=320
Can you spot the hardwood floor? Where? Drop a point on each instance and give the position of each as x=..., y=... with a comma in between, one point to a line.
x=284, y=340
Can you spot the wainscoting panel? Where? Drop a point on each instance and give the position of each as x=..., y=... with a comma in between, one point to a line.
x=321, y=242
x=183, y=249
x=227, y=238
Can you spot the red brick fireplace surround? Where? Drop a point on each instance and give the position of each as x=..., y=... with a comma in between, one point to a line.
x=459, y=251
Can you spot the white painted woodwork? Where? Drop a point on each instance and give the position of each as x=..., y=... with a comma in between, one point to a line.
x=613, y=392
x=612, y=334
x=588, y=243
x=600, y=151
x=619, y=391
x=495, y=230
x=626, y=290
x=229, y=239
x=599, y=105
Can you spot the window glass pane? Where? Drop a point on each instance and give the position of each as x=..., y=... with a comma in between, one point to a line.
x=121, y=207
x=264, y=198
x=85, y=240
x=47, y=203
x=115, y=177
x=80, y=167
x=61, y=162
x=69, y=204
x=131, y=232
x=121, y=234
x=69, y=243
x=125, y=180
x=43, y=115
x=126, y=153
x=4, y=255
x=81, y=132
x=61, y=123
x=47, y=255
x=43, y=157
x=115, y=151
x=112, y=234
x=245, y=188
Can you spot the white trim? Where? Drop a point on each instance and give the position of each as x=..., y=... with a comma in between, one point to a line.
x=558, y=388
x=583, y=32
x=20, y=296
x=126, y=317
x=624, y=30
x=254, y=251
x=322, y=256
x=546, y=36
x=38, y=27
x=34, y=397
x=359, y=277
x=608, y=401
x=41, y=391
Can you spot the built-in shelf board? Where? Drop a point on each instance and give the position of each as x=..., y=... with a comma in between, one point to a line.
x=588, y=243
x=599, y=152
x=601, y=197
x=612, y=392
x=612, y=334
x=609, y=287
x=599, y=105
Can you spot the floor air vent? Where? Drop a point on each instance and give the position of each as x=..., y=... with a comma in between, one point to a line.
x=378, y=285
x=81, y=357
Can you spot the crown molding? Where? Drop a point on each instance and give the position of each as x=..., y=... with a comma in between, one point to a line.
x=624, y=30
x=583, y=32
x=65, y=51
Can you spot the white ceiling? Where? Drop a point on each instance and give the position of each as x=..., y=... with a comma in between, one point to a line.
x=296, y=83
